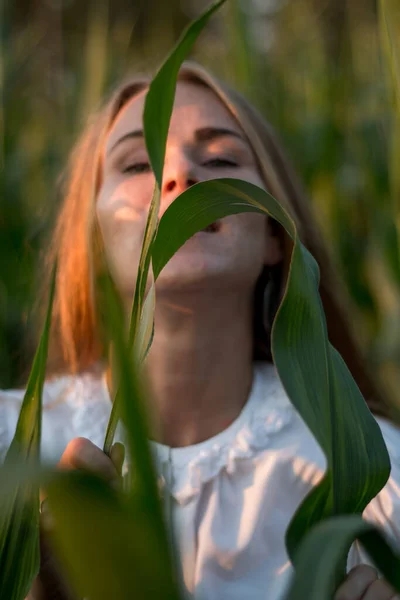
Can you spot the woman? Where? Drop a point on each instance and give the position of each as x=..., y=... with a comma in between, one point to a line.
x=227, y=442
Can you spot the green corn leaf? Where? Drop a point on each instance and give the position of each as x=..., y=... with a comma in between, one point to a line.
x=143, y=489
x=130, y=395
x=19, y=509
x=108, y=550
x=146, y=326
x=156, y=118
x=315, y=377
x=157, y=114
x=141, y=512
x=160, y=98
x=327, y=546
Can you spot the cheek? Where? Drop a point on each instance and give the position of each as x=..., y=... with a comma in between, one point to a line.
x=251, y=227
x=121, y=211
x=122, y=203
x=247, y=238
x=252, y=175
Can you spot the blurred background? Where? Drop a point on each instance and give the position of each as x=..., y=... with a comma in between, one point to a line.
x=317, y=69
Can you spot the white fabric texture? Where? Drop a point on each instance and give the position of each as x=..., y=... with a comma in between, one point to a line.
x=229, y=499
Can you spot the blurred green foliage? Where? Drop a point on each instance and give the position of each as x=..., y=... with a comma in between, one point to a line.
x=313, y=67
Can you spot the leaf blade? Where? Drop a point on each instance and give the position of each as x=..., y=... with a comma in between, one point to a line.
x=160, y=97
x=314, y=376
x=327, y=546
x=156, y=118
x=19, y=511
x=128, y=562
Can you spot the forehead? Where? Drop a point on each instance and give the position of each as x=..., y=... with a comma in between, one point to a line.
x=195, y=106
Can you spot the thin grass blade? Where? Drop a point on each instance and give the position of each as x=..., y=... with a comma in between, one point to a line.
x=160, y=98
x=157, y=114
x=146, y=326
x=143, y=496
x=19, y=510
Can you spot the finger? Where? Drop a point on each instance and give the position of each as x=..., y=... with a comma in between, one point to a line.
x=83, y=454
x=380, y=590
x=117, y=456
x=356, y=583
x=46, y=518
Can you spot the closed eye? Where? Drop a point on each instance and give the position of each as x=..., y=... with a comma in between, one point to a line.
x=220, y=163
x=138, y=168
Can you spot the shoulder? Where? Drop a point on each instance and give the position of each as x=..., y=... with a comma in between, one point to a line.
x=391, y=434
x=300, y=460
x=385, y=507
x=68, y=401
x=300, y=463
x=10, y=404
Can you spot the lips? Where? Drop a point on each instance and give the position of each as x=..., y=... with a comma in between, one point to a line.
x=213, y=228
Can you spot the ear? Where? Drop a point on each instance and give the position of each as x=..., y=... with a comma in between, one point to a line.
x=273, y=244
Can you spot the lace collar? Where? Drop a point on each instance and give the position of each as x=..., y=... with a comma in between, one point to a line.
x=267, y=411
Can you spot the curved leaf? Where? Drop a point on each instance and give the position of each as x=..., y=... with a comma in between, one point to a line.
x=327, y=546
x=142, y=507
x=314, y=375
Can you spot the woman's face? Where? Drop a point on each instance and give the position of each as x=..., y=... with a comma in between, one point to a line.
x=204, y=142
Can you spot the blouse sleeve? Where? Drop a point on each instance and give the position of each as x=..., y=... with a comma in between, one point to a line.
x=73, y=406
x=10, y=405
x=384, y=510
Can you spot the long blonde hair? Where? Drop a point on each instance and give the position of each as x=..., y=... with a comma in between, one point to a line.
x=76, y=345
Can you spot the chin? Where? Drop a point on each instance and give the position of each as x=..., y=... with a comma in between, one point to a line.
x=201, y=280
x=183, y=283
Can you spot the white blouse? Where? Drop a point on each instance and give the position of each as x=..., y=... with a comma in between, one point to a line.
x=231, y=497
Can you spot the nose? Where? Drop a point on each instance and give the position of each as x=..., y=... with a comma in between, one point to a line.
x=179, y=175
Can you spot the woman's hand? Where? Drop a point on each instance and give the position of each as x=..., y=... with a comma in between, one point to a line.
x=84, y=455
x=363, y=583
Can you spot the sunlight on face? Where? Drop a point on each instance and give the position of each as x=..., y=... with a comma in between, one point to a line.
x=204, y=142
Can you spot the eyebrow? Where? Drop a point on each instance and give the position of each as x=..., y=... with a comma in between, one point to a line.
x=205, y=134
x=138, y=133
